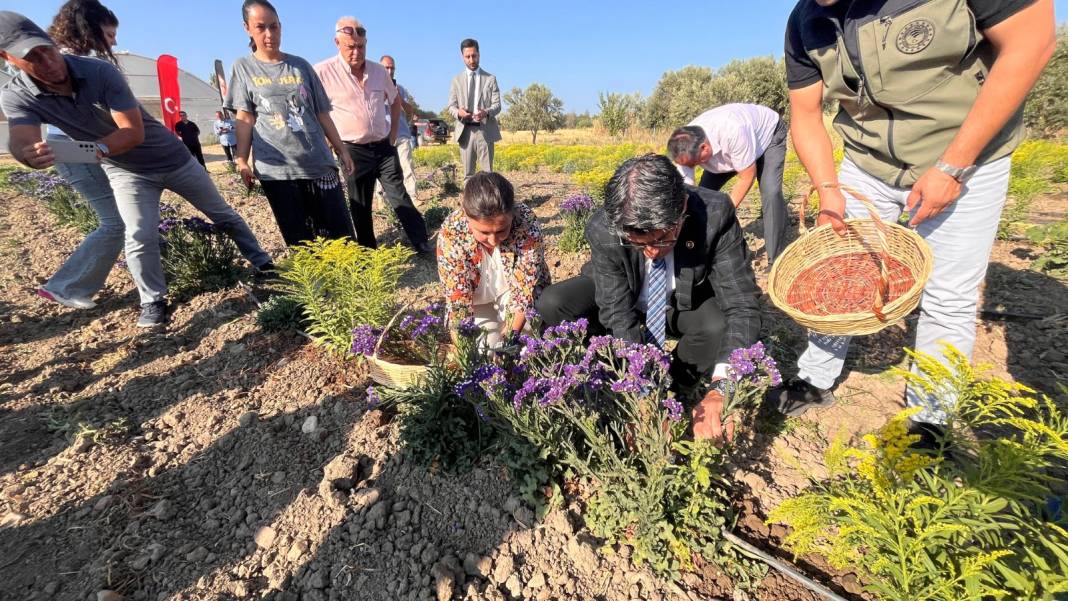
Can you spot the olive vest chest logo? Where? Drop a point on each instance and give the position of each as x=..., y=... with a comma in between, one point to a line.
x=915, y=36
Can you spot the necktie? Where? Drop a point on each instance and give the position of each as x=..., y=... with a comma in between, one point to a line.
x=656, y=315
x=471, y=91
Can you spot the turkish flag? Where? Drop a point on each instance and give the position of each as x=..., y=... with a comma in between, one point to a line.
x=170, y=95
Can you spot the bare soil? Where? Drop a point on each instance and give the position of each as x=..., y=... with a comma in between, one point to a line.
x=218, y=461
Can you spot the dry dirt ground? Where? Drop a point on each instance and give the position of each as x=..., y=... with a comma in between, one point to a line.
x=220, y=462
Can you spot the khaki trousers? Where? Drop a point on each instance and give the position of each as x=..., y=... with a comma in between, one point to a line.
x=474, y=147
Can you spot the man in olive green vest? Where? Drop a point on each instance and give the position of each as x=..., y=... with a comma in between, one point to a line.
x=930, y=96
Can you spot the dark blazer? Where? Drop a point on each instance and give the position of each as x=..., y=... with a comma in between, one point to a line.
x=711, y=259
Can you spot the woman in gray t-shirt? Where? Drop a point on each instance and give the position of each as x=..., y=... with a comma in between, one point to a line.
x=283, y=117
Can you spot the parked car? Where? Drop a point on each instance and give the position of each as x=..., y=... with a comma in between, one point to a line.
x=432, y=131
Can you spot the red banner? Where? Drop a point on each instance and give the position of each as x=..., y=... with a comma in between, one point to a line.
x=170, y=95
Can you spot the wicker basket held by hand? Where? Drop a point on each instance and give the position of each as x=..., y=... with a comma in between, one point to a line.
x=854, y=284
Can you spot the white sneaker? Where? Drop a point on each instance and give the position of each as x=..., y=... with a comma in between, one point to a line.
x=73, y=303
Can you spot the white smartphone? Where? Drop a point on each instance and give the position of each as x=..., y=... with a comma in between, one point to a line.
x=73, y=151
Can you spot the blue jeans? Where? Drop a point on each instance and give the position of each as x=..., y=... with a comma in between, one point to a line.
x=137, y=197
x=83, y=274
x=961, y=238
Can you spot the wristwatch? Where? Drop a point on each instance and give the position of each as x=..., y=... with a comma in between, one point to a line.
x=103, y=148
x=725, y=386
x=961, y=174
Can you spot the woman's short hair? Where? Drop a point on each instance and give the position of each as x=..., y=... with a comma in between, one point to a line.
x=487, y=195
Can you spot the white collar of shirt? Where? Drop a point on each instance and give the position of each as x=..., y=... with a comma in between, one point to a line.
x=643, y=296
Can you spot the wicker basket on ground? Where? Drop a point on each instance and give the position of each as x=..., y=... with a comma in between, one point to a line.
x=853, y=284
x=386, y=373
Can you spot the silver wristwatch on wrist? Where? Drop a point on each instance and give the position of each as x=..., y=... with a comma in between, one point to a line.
x=961, y=174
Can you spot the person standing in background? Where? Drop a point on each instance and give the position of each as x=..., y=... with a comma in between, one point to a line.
x=190, y=135
x=283, y=120
x=404, y=144
x=360, y=90
x=475, y=101
x=224, y=129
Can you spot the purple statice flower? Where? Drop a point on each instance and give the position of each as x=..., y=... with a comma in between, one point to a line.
x=364, y=339
x=555, y=389
x=530, y=387
x=167, y=209
x=747, y=363
x=423, y=327
x=575, y=328
x=373, y=399
x=168, y=224
x=576, y=204
x=480, y=375
x=467, y=327
x=406, y=322
x=674, y=408
x=532, y=314
x=198, y=225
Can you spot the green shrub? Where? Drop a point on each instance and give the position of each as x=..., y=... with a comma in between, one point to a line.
x=920, y=527
x=280, y=313
x=197, y=256
x=435, y=215
x=1046, y=111
x=1054, y=239
x=341, y=285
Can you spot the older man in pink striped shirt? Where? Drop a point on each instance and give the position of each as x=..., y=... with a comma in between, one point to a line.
x=359, y=91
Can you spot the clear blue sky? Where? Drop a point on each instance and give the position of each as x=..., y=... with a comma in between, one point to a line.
x=577, y=48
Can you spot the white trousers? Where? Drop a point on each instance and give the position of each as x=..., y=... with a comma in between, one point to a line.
x=961, y=238
x=407, y=163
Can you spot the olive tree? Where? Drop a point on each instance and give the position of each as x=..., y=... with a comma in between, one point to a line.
x=533, y=109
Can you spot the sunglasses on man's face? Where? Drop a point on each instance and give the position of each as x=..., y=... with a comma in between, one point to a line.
x=357, y=32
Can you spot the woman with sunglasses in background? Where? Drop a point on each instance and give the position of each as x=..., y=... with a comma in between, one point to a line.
x=491, y=259
x=666, y=259
x=283, y=118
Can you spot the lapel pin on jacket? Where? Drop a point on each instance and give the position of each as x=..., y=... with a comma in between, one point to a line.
x=689, y=244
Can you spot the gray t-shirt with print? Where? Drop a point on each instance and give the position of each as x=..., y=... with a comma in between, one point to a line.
x=286, y=98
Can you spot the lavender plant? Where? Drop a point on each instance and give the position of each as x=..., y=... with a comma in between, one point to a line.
x=576, y=211
x=197, y=255
x=68, y=207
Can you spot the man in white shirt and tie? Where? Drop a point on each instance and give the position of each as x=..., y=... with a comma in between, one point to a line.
x=475, y=101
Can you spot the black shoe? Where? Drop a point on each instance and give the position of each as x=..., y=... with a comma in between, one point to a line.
x=153, y=315
x=798, y=396
x=267, y=272
x=932, y=437
x=425, y=248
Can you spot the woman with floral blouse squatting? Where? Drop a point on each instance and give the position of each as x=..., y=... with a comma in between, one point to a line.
x=283, y=118
x=491, y=258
